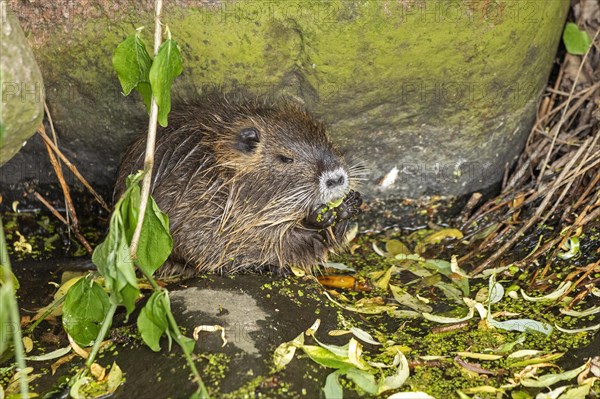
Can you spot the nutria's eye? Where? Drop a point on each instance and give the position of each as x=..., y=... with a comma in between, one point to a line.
x=284, y=159
x=248, y=139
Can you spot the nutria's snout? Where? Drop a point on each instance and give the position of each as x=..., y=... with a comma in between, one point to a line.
x=333, y=185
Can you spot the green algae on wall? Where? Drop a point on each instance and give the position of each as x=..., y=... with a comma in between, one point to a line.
x=442, y=90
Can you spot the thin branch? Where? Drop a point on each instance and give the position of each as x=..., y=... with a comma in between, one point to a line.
x=150, y=143
x=60, y=217
x=67, y=193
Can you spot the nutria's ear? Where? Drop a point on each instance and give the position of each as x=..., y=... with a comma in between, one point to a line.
x=248, y=139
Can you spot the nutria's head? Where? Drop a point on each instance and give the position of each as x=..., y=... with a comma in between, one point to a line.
x=283, y=154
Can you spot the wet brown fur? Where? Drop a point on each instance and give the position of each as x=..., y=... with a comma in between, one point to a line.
x=231, y=210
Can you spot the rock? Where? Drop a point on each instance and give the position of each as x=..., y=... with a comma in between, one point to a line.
x=22, y=87
x=436, y=96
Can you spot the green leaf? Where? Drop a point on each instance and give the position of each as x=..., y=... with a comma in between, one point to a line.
x=395, y=247
x=404, y=298
x=551, y=379
x=85, y=307
x=6, y=274
x=445, y=268
x=326, y=358
x=155, y=243
x=5, y=300
x=152, y=321
x=113, y=259
x=185, y=342
x=166, y=67
x=285, y=352
x=573, y=250
x=145, y=91
x=495, y=290
x=523, y=325
x=396, y=380
x=576, y=41
x=50, y=356
x=132, y=63
x=332, y=388
x=363, y=379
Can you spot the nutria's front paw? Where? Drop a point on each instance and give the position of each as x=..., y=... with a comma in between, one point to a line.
x=350, y=206
x=320, y=218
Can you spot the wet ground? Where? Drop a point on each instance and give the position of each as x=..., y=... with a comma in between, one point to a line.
x=260, y=312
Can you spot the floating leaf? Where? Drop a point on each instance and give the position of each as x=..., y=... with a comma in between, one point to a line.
x=496, y=291
x=445, y=268
x=285, y=352
x=550, y=357
x=377, y=250
x=326, y=358
x=364, y=336
x=576, y=41
x=560, y=291
x=484, y=389
x=449, y=320
x=404, y=298
x=579, y=392
x=363, y=379
x=385, y=279
x=581, y=313
x=450, y=291
x=548, y=380
x=397, y=380
x=332, y=388
x=51, y=355
x=578, y=330
x=364, y=307
x=395, y=247
x=480, y=356
x=572, y=249
x=524, y=353
x=442, y=234
x=524, y=325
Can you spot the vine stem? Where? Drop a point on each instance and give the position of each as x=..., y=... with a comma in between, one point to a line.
x=13, y=309
x=103, y=330
x=175, y=328
x=150, y=142
x=188, y=356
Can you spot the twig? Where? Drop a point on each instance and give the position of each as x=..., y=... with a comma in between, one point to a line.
x=563, y=117
x=50, y=207
x=72, y=168
x=60, y=217
x=533, y=219
x=568, y=185
x=67, y=193
x=150, y=144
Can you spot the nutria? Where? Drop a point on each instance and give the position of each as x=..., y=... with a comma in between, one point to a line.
x=245, y=184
